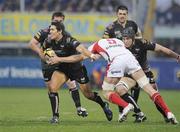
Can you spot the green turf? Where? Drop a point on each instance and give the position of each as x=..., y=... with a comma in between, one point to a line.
x=28, y=110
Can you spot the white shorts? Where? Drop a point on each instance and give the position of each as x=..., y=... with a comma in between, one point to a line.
x=123, y=64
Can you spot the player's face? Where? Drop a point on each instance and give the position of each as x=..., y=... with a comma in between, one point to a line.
x=58, y=18
x=54, y=33
x=127, y=41
x=122, y=16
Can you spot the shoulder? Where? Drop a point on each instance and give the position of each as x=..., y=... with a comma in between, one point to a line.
x=111, y=25
x=67, y=33
x=44, y=31
x=132, y=22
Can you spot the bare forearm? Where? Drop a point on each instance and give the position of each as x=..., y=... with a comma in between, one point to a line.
x=84, y=51
x=166, y=51
x=71, y=59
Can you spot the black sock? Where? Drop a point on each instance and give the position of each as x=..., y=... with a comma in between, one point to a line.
x=135, y=93
x=98, y=100
x=120, y=109
x=130, y=99
x=75, y=96
x=54, y=99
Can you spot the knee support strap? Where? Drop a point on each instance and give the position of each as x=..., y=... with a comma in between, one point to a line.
x=142, y=81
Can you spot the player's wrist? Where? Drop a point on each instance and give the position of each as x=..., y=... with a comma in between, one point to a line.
x=92, y=56
x=177, y=57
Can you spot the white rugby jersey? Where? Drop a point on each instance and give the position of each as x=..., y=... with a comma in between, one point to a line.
x=109, y=48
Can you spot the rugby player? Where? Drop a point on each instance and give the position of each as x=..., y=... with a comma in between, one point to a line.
x=114, y=30
x=139, y=49
x=65, y=45
x=36, y=45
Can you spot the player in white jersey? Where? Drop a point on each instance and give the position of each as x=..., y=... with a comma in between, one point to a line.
x=120, y=59
x=120, y=62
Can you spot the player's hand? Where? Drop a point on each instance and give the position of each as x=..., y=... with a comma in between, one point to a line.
x=94, y=57
x=54, y=60
x=46, y=59
x=178, y=59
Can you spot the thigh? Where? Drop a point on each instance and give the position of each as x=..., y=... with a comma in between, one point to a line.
x=132, y=65
x=57, y=80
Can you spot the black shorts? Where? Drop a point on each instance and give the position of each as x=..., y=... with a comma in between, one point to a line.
x=150, y=76
x=73, y=71
x=47, y=73
x=79, y=74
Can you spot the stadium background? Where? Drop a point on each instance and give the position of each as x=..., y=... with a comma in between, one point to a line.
x=85, y=20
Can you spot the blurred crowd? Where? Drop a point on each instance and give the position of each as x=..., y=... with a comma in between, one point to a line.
x=167, y=12
x=107, y=6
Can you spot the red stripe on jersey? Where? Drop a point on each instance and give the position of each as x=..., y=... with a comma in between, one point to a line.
x=97, y=49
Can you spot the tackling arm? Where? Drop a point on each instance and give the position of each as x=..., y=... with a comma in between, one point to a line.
x=85, y=52
x=167, y=51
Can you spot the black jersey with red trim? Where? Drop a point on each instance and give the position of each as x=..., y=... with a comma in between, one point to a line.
x=115, y=29
x=139, y=50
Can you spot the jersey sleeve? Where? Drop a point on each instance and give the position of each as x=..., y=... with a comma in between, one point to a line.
x=148, y=45
x=73, y=42
x=94, y=48
x=108, y=31
x=41, y=35
x=46, y=44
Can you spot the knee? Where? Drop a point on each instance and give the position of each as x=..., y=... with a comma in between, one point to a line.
x=86, y=91
x=51, y=87
x=88, y=95
x=71, y=84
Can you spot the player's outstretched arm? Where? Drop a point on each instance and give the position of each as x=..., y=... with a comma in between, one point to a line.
x=85, y=52
x=160, y=48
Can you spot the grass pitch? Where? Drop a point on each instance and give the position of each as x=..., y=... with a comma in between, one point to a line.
x=28, y=110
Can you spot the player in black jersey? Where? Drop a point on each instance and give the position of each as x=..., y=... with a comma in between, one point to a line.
x=114, y=30
x=36, y=45
x=65, y=45
x=139, y=49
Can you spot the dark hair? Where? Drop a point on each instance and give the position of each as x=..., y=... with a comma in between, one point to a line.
x=57, y=14
x=59, y=25
x=128, y=32
x=122, y=7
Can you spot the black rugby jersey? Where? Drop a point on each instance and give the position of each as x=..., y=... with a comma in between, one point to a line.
x=139, y=50
x=115, y=29
x=42, y=34
x=66, y=46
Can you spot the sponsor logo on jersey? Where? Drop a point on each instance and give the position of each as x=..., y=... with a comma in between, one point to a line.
x=137, y=50
x=83, y=79
x=114, y=72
